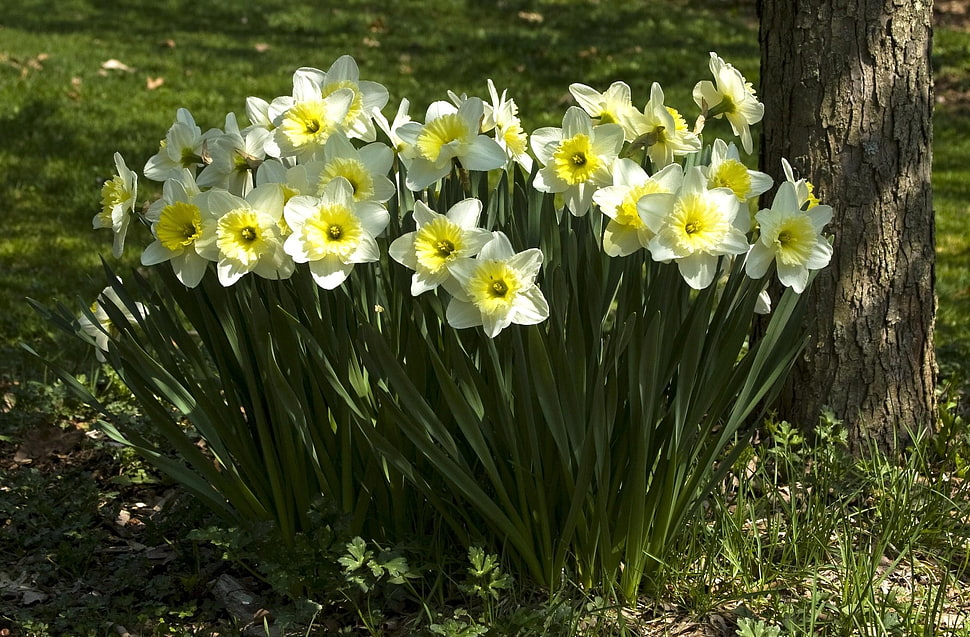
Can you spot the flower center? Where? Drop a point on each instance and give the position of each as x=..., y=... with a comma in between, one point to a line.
x=795, y=240
x=437, y=244
x=734, y=175
x=113, y=193
x=575, y=161
x=494, y=286
x=699, y=224
x=179, y=225
x=333, y=231
x=240, y=236
x=306, y=123
x=440, y=132
x=354, y=171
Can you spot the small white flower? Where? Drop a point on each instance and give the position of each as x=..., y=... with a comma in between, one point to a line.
x=101, y=328
x=576, y=158
x=182, y=149
x=449, y=133
x=499, y=288
x=333, y=232
x=438, y=242
x=697, y=230
x=118, y=196
x=732, y=97
x=176, y=221
x=792, y=238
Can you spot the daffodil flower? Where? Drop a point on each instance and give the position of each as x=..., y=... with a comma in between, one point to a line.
x=303, y=123
x=726, y=170
x=99, y=325
x=118, y=196
x=803, y=188
x=242, y=235
x=333, y=232
x=576, y=158
x=368, y=97
x=615, y=106
x=498, y=288
x=234, y=157
x=661, y=130
x=438, y=242
x=503, y=118
x=365, y=168
x=176, y=221
x=449, y=133
x=697, y=230
x=626, y=231
x=792, y=238
x=730, y=96
x=183, y=148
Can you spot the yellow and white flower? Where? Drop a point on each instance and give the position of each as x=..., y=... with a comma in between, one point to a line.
x=498, y=288
x=118, y=196
x=365, y=168
x=368, y=97
x=725, y=170
x=576, y=158
x=333, y=232
x=615, y=106
x=449, y=133
x=730, y=96
x=176, y=221
x=182, y=149
x=626, y=231
x=99, y=326
x=697, y=230
x=792, y=238
x=303, y=123
x=804, y=189
x=234, y=157
x=243, y=235
x=661, y=130
x=502, y=116
x=438, y=242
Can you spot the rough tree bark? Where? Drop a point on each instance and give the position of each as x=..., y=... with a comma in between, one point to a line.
x=847, y=87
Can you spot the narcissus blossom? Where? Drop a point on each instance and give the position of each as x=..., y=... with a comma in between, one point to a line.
x=99, y=325
x=368, y=97
x=615, y=106
x=333, y=232
x=499, y=288
x=243, y=235
x=725, y=170
x=661, y=130
x=730, y=96
x=626, y=231
x=439, y=241
x=118, y=196
x=449, y=133
x=792, y=238
x=698, y=229
x=182, y=148
x=176, y=221
x=576, y=158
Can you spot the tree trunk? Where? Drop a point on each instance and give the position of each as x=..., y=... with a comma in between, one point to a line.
x=847, y=88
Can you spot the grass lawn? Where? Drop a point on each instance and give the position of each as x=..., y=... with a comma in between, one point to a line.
x=91, y=540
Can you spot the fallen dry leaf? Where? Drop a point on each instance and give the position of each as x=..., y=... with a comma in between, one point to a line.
x=116, y=65
x=168, y=43
x=152, y=83
x=261, y=47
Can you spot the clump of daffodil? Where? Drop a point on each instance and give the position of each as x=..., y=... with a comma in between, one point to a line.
x=98, y=324
x=698, y=229
x=449, y=133
x=791, y=238
x=661, y=130
x=576, y=159
x=333, y=232
x=243, y=235
x=626, y=231
x=438, y=242
x=176, y=222
x=118, y=196
x=498, y=288
x=730, y=96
